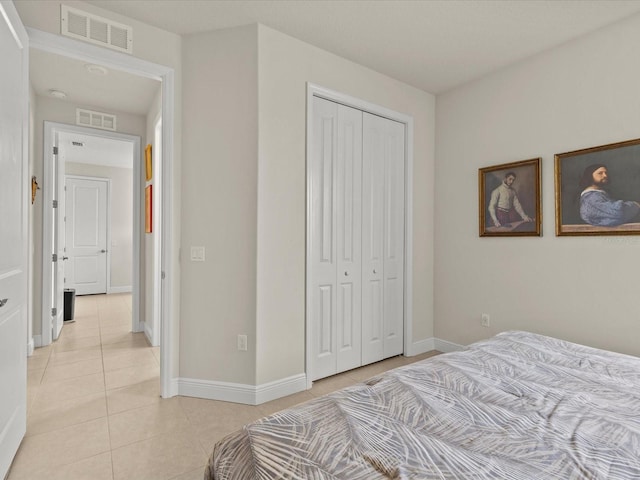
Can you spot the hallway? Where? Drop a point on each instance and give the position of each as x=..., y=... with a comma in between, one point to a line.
x=94, y=410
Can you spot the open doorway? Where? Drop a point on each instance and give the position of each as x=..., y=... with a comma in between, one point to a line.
x=136, y=69
x=91, y=231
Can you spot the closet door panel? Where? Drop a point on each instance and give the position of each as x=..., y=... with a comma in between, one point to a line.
x=349, y=237
x=322, y=263
x=383, y=238
x=373, y=221
x=394, y=239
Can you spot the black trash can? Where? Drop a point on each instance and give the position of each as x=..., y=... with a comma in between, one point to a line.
x=69, y=303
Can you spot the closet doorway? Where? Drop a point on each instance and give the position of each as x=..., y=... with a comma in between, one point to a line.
x=358, y=232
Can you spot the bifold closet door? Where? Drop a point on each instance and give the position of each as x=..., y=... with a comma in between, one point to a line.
x=335, y=243
x=382, y=238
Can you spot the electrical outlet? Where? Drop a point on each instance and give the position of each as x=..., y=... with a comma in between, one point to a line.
x=485, y=320
x=242, y=342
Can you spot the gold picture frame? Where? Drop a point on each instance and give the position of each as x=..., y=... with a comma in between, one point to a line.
x=597, y=190
x=148, y=209
x=510, y=199
x=148, y=162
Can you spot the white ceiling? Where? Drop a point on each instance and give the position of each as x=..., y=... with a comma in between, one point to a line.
x=434, y=45
x=115, y=91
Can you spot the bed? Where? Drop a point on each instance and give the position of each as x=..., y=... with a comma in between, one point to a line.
x=517, y=406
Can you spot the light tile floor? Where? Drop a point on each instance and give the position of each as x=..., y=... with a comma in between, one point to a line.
x=94, y=410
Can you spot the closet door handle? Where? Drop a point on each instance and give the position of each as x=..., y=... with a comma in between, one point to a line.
x=375, y=271
x=3, y=302
x=346, y=274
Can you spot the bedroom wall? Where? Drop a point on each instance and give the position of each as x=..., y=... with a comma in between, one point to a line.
x=285, y=65
x=220, y=203
x=582, y=289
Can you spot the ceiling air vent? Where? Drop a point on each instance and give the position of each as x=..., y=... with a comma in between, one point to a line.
x=89, y=118
x=97, y=30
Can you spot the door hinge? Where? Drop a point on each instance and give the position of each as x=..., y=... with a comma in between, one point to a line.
x=54, y=312
x=162, y=275
x=54, y=257
x=55, y=150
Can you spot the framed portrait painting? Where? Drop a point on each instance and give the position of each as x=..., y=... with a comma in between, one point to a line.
x=598, y=190
x=510, y=197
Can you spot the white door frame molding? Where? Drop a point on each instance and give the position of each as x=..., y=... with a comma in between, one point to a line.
x=71, y=48
x=50, y=131
x=319, y=91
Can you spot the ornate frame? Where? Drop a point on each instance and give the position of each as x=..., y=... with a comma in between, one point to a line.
x=527, y=188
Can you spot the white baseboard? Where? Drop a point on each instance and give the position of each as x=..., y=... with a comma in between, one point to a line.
x=421, y=346
x=125, y=289
x=37, y=341
x=240, y=393
x=428, y=344
x=280, y=388
x=30, y=347
x=173, y=388
x=256, y=395
x=446, y=347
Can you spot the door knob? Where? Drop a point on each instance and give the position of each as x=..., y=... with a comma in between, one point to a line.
x=375, y=271
x=102, y=251
x=3, y=302
x=346, y=274
x=65, y=258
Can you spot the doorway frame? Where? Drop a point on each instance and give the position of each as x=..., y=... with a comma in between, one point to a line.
x=76, y=49
x=314, y=90
x=50, y=131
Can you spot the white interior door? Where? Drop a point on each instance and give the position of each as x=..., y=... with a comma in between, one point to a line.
x=86, y=235
x=13, y=234
x=335, y=237
x=58, y=240
x=382, y=238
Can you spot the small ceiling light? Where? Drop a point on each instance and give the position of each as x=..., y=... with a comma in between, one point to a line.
x=57, y=93
x=96, y=69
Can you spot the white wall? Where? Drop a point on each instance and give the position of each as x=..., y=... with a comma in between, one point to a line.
x=583, y=289
x=286, y=65
x=219, y=199
x=121, y=214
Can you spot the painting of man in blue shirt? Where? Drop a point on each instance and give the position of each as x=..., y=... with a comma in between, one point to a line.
x=596, y=206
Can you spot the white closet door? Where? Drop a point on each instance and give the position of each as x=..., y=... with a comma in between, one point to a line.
x=335, y=238
x=382, y=238
x=349, y=237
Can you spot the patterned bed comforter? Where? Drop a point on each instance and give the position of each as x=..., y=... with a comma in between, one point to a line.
x=517, y=406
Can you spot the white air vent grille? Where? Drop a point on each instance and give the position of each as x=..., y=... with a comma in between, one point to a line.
x=89, y=118
x=97, y=30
